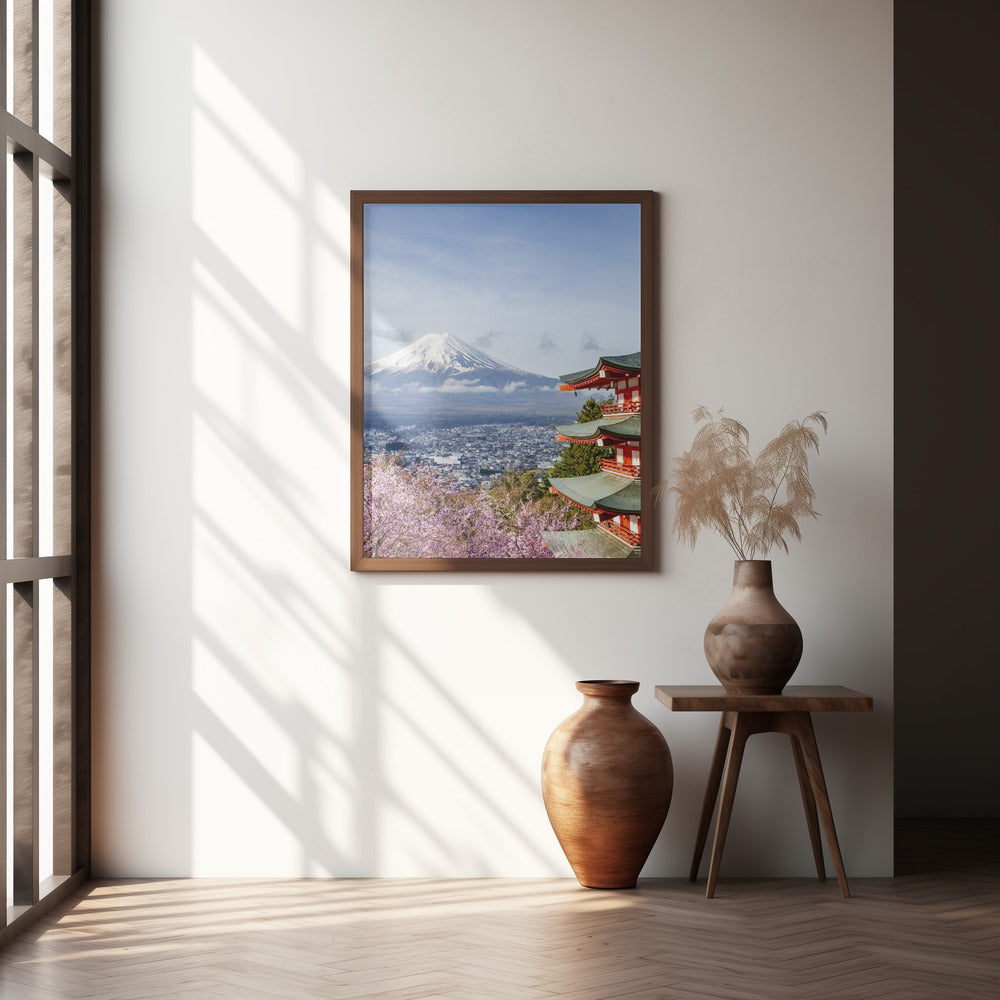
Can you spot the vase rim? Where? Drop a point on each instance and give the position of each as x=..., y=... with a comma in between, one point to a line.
x=608, y=688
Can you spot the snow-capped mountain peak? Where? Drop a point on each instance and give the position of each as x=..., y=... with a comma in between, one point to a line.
x=439, y=354
x=445, y=377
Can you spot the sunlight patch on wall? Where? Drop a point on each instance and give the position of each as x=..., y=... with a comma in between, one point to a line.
x=500, y=725
x=273, y=640
x=264, y=845
x=330, y=283
x=247, y=191
x=273, y=154
x=267, y=700
x=254, y=397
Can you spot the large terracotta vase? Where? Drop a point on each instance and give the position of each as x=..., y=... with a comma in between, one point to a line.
x=607, y=779
x=753, y=644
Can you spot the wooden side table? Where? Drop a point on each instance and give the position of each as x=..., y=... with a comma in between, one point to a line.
x=742, y=716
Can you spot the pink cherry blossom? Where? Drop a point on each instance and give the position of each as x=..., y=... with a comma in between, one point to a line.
x=413, y=513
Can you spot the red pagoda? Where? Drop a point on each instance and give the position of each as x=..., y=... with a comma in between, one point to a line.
x=613, y=495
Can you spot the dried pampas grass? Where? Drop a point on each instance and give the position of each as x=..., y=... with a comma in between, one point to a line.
x=755, y=504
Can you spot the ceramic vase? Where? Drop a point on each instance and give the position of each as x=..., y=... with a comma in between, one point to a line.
x=607, y=778
x=753, y=645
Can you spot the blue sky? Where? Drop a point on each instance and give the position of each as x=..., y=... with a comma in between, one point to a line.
x=547, y=288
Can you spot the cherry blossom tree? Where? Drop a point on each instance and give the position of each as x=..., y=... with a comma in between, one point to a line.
x=413, y=513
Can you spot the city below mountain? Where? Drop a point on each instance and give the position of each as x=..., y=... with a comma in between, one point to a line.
x=441, y=379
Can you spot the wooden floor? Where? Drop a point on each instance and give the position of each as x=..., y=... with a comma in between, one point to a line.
x=932, y=932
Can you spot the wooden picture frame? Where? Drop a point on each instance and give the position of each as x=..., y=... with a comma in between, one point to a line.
x=469, y=312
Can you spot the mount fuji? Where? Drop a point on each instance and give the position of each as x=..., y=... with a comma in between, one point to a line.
x=440, y=378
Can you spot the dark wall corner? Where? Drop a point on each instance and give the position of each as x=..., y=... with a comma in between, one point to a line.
x=947, y=367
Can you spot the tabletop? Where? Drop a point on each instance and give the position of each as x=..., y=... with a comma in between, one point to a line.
x=794, y=698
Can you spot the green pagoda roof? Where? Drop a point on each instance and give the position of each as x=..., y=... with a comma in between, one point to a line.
x=623, y=362
x=592, y=544
x=602, y=491
x=625, y=428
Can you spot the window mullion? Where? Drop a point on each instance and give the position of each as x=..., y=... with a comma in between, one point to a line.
x=24, y=45
x=4, y=389
x=25, y=340
x=25, y=743
x=62, y=83
x=62, y=369
x=29, y=491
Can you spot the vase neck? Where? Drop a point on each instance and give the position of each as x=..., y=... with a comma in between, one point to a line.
x=752, y=573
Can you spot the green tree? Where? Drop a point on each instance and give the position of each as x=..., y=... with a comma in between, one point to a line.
x=517, y=486
x=579, y=459
x=591, y=410
x=516, y=491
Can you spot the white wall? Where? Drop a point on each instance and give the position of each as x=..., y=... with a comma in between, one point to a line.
x=259, y=710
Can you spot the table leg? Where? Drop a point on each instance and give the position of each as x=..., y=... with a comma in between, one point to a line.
x=711, y=794
x=809, y=804
x=740, y=732
x=810, y=752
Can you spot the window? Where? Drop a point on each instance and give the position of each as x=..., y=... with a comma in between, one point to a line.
x=44, y=456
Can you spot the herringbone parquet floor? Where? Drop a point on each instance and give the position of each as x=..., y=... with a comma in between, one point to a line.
x=932, y=932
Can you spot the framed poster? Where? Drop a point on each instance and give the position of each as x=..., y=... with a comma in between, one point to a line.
x=502, y=380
